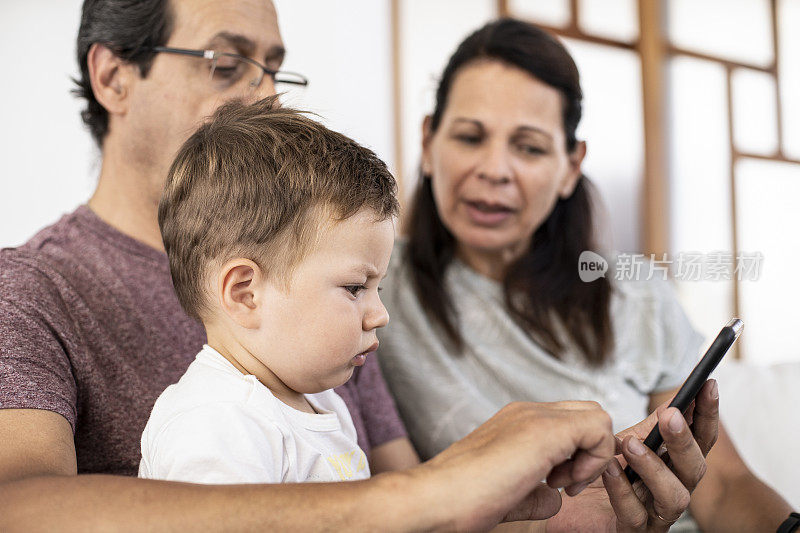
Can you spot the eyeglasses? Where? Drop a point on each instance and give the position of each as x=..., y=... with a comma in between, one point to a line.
x=227, y=70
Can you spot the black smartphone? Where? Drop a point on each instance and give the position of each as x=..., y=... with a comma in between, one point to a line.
x=685, y=396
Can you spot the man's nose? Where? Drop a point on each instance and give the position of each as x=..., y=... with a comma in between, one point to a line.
x=265, y=88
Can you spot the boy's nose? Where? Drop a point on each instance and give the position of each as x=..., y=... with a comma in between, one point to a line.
x=377, y=317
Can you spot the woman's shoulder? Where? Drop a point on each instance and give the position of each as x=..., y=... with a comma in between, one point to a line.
x=633, y=277
x=642, y=299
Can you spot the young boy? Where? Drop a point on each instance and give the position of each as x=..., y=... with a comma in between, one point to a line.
x=278, y=232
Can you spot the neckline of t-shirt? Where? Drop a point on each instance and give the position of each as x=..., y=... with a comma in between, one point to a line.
x=91, y=221
x=322, y=420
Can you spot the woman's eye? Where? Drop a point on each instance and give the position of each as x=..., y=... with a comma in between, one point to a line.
x=354, y=289
x=469, y=139
x=530, y=149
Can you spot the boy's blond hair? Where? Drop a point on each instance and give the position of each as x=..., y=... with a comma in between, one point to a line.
x=258, y=181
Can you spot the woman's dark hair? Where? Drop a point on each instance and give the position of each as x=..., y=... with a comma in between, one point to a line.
x=542, y=289
x=129, y=28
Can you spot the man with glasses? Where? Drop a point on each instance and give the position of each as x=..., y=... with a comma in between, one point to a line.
x=91, y=332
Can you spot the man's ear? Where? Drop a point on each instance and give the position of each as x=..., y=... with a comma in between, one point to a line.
x=237, y=291
x=427, y=136
x=111, y=78
x=573, y=174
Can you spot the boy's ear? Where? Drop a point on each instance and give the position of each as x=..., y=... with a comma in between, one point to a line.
x=236, y=291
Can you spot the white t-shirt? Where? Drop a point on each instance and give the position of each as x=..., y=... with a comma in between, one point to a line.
x=217, y=425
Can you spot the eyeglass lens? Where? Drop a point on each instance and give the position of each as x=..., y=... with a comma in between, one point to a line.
x=227, y=71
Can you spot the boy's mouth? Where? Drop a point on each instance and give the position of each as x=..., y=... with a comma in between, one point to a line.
x=361, y=358
x=370, y=349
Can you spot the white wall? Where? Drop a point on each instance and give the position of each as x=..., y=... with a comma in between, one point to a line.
x=49, y=164
x=430, y=30
x=344, y=47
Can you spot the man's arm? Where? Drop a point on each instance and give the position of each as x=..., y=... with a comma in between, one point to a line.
x=40, y=491
x=730, y=497
x=35, y=443
x=491, y=474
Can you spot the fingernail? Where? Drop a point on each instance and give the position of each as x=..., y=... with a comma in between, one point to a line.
x=636, y=447
x=676, y=423
x=613, y=469
x=714, y=390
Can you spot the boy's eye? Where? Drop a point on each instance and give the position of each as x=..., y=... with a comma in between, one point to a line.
x=354, y=289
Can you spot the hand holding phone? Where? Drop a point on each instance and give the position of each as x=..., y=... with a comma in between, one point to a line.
x=686, y=394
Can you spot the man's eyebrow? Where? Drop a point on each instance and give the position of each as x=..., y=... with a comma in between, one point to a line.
x=241, y=42
x=275, y=54
x=247, y=46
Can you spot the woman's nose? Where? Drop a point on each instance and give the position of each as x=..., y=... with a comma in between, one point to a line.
x=495, y=165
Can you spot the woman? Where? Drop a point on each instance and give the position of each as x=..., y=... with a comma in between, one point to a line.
x=485, y=299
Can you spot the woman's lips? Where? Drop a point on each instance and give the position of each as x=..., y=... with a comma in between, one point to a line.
x=487, y=214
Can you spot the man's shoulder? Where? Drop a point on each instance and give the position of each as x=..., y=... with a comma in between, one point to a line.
x=45, y=261
x=50, y=246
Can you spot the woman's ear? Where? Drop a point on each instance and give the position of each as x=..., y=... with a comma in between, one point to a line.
x=573, y=174
x=237, y=291
x=427, y=135
x=111, y=78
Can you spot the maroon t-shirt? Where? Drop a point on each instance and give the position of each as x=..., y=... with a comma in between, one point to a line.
x=91, y=329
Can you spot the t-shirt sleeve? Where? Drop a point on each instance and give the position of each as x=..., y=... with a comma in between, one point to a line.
x=378, y=409
x=681, y=342
x=35, y=369
x=217, y=443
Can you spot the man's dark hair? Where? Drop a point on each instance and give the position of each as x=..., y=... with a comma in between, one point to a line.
x=130, y=29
